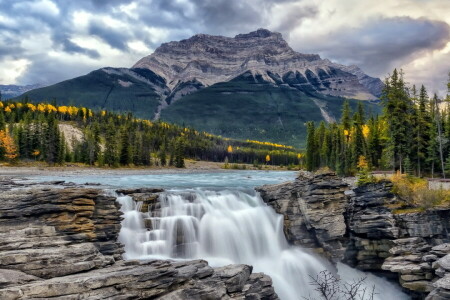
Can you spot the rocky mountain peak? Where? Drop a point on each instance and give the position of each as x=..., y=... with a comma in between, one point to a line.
x=209, y=59
x=260, y=33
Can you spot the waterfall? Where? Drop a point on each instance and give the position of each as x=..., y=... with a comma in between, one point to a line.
x=225, y=227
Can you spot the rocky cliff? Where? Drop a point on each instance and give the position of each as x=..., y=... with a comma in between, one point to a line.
x=363, y=229
x=61, y=242
x=313, y=209
x=208, y=59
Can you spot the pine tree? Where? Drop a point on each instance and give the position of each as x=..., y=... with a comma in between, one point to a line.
x=358, y=140
x=374, y=148
x=2, y=120
x=320, y=136
x=422, y=127
x=397, y=110
x=311, y=148
x=52, y=140
x=408, y=166
x=162, y=155
x=111, y=154
x=179, y=153
x=439, y=133
x=126, y=151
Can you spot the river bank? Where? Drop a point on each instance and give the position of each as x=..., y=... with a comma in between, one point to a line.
x=41, y=169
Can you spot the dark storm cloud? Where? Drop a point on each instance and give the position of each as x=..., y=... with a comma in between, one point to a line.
x=114, y=38
x=382, y=44
x=70, y=47
x=376, y=45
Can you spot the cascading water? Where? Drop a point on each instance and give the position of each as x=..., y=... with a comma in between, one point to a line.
x=226, y=227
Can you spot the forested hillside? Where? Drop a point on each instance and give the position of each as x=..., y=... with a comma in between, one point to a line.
x=32, y=132
x=412, y=135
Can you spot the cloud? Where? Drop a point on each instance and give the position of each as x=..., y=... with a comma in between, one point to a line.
x=60, y=39
x=114, y=38
x=383, y=43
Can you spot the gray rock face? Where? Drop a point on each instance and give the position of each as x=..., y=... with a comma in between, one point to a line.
x=415, y=246
x=313, y=209
x=371, y=226
x=61, y=243
x=152, y=279
x=206, y=59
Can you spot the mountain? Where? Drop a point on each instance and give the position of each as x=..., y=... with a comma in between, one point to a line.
x=10, y=90
x=208, y=59
x=117, y=89
x=252, y=86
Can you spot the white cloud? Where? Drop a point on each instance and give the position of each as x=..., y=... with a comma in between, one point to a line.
x=42, y=7
x=12, y=69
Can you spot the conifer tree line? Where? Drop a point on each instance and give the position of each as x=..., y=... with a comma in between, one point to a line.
x=412, y=135
x=33, y=132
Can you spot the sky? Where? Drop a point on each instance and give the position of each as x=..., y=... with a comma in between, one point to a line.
x=47, y=41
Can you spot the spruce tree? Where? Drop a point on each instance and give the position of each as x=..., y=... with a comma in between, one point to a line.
x=397, y=110
x=179, y=153
x=358, y=140
x=111, y=154
x=52, y=140
x=2, y=120
x=311, y=148
x=126, y=151
x=162, y=155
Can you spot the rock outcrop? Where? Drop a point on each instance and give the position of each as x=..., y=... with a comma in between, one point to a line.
x=313, y=209
x=62, y=243
x=144, y=280
x=371, y=226
x=413, y=247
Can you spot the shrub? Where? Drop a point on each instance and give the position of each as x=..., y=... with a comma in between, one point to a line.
x=415, y=192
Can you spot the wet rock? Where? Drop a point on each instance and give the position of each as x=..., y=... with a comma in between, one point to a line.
x=144, y=280
x=62, y=243
x=313, y=208
x=139, y=191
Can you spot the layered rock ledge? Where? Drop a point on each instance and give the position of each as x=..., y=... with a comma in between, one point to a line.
x=61, y=243
x=313, y=209
x=361, y=228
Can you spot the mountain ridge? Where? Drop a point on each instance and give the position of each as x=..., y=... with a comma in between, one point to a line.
x=251, y=86
x=210, y=59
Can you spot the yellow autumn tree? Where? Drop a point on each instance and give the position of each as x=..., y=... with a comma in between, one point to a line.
x=230, y=149
x=363, y=171
x=7, y=145
x=267, y=158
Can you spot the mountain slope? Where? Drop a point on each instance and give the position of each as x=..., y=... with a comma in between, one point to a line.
x=117, y=89
x=248, y=107
x=10, y=90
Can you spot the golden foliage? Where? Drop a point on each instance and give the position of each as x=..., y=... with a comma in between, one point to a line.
x=415, y=192
x=230, y=149
x=365, y=130
x=362, y=163
x=267, y=158
x=269, y=144
x=8, y=145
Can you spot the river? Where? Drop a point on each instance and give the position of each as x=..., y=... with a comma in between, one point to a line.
x=220, y=218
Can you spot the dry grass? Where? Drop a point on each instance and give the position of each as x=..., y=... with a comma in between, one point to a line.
x=416, y=194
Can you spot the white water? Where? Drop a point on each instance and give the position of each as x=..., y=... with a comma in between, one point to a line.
x=228, y=227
